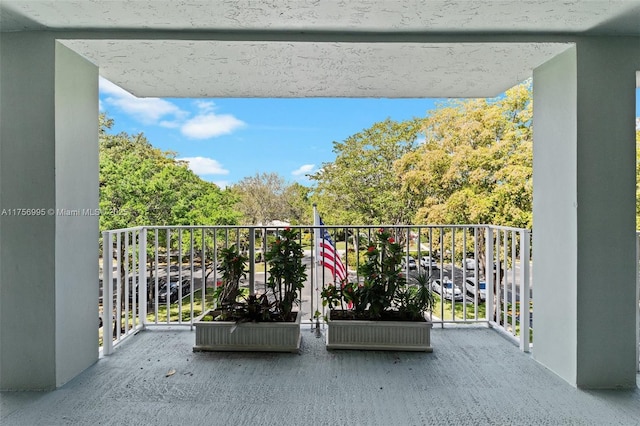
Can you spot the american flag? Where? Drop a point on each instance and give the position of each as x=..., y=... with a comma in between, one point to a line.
x=329, y=257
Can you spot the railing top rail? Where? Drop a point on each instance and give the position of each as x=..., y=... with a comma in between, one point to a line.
x=134, y=228
x=269, y=227
x=507, y=228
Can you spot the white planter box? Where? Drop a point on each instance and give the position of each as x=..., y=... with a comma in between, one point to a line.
x=379, y=335
x=248, y=336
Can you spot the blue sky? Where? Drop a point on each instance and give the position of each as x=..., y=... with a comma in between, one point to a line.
x=225, y=140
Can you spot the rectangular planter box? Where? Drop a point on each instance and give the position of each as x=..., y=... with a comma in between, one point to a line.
x=379, y=335
x=248, y=336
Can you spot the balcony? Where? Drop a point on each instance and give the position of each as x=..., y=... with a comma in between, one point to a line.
x=143, y=260
x=479, y=373
x=473, y=377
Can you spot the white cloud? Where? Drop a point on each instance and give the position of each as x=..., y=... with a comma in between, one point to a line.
x=204, y=125
x=207, y=126
x=146, y=110
x=205, y=166
x=205, y=106
x=303, y=170
x=169, y=124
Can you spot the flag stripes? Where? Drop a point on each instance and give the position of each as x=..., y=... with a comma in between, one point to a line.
x=329, y=256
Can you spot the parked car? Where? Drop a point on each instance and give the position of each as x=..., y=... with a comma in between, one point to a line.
x=411, y=264
x=174, y=291
x=471, y=287
x=470, y=264
x=428, y=262
x=447, y=290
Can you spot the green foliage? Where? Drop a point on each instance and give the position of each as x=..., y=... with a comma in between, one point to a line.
x=415, y=300
x=287, y=274
x=361, y=185
x=384, y=292
x=266, y=197
x=142, y=185
x=476, y=163
x=231, y=267
x=382, y=272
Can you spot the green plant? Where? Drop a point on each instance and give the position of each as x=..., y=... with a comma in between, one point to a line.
x=416, y=300
x=231, y=267
x=287, y=274
x=384, y=291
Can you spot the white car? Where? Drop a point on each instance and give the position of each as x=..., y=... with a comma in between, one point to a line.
x=470, y=263
x=412, y=263
x=471, y=287
x=446, y=289
x=428, y=261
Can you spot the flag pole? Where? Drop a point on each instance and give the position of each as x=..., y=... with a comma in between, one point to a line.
x=316, y=267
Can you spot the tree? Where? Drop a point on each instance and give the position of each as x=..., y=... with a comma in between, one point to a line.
x=142, y=185
x=476, y=163
x=262, y=198
x=300, y=210
x=361, y=185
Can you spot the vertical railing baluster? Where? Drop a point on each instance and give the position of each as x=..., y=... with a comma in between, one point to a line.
x=191, y=281
x=503, y=282
x=156, y=244
x=127, y=264
x=453, y=274
x=179, y=284
x=142, y=279
x=119, y=285
x=252, y=259
x=108, y=320
x=167, y=298
x=514, y=287
x=203, y=266
x=490, y=277
x=464, y=274
x=525, y=341
x=441, y=230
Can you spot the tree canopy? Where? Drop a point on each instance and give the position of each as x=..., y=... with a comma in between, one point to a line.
x=476, y=163
x=361, y=185
x=266, y=197
x=142, y=185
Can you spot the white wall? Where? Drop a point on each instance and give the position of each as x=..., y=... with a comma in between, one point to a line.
x=584, y=213
x=606, y=220
x=76, y=181
x=27, y=244
x=48, y=157
x=555, y=214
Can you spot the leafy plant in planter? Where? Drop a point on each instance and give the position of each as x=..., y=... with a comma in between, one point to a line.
x=383, y=312
x=256, y=322
x=286, y=278
x=384, y=293
x=287, y=274
x=231, y=267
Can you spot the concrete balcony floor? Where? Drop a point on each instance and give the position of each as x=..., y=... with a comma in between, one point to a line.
x=473, y=377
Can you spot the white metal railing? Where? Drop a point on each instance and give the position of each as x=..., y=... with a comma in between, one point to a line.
x=166, y=275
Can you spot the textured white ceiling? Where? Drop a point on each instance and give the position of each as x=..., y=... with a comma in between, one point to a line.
x=307, y=48
x=610, y=16
x=287, y=69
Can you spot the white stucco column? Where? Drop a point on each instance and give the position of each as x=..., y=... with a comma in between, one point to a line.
x=48, y=259
x=584, y=213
